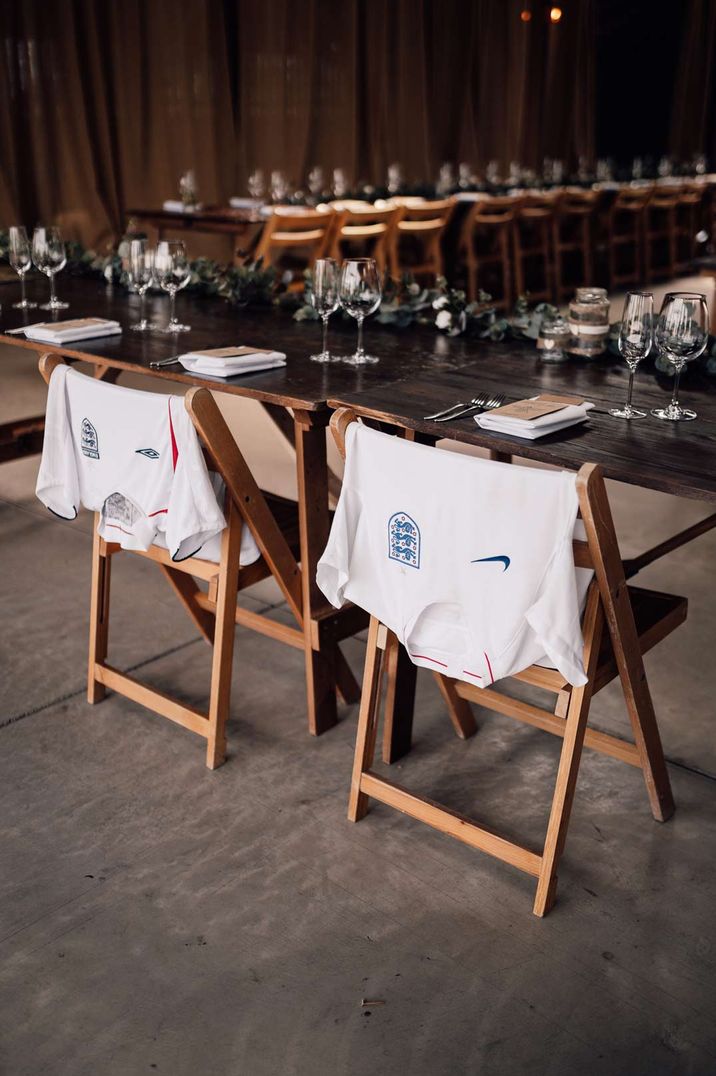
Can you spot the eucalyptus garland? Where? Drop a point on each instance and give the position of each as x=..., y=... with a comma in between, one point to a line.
x=405, y=302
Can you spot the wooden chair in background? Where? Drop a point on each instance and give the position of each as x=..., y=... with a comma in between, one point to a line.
x=293, y=238
x=573, y=241
x=361, y=225
x=688, y=223
x=532, y=237
x=420, y=228
x=274, y=524
x=660, y=233
x=625, y=236
x=486, y=245
x=620, y=624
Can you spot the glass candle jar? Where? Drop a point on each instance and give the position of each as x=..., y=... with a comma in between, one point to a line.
x=589, y=322
x=553, y=339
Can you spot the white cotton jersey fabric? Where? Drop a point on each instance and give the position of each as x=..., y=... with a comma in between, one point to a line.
x=135, y=458
x=468, y=561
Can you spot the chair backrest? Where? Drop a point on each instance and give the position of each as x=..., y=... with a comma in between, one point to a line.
x=403, y=521
x=223, y=455
x=536, y=206
x=424, y=217
x=576, y=202
x=291, y=227
x=364, y=223
x=631, y=199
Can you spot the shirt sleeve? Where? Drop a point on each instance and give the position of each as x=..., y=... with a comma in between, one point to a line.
x=58, y=485
x=333, y=570
x=555, y=615
x=193, y=515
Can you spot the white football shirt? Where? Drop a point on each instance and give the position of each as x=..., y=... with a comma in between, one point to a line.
x=135, y=458
x=468, y=561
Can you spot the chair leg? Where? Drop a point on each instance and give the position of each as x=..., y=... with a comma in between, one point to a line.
x=570, y=757
x=401, y=679
x=220, y=694
x=459, y=709
x=99, y=614
x=367, y=720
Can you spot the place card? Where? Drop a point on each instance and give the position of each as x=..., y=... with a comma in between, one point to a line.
x=231, y=352
x=72, y=325
x=528, y=410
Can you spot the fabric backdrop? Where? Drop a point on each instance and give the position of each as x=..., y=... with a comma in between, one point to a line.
x=106, y=104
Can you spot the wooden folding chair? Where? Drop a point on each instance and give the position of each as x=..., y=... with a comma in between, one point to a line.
x=303, y=234
x=635, y=621
x=274, y=524
x=486, y=245
x=363, y=226
x=423, y=224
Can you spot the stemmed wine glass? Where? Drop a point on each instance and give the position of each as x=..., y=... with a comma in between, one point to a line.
x=171, y=269
x=49, y=256
x=20, y=254
x=682, y=335
x=139, y=267
x=636, y=337
x=324, y=299
x=279, y=187
x=359, y=294
x=257, y=185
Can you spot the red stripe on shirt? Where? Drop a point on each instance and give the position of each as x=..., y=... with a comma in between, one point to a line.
x=492, y=678
x=424, y=657
x=158, y=512
x=175, y=450
x=468, y=673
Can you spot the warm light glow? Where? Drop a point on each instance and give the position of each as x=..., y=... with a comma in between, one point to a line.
x=525, y=15
x=555, y=14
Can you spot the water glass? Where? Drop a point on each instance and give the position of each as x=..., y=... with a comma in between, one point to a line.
x=636, y=336
x=138, y=264
x=682, y=333
x=20, y=256
x=360, y=294
x=324, y=299
x=172, y=271
x=49, y=256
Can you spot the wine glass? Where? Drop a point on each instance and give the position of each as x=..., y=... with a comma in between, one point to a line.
x=171, y=270
x=279, y=187
x=257, y=185
x=49, y=256
x=324, y=299
x=340, y=185
x=316, y=182
x=20, y=255
x=138, y=263
x=359, y=294
x=682, y=333
x=636, y=337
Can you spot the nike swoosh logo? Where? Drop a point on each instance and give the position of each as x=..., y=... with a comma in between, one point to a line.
x=483, y=560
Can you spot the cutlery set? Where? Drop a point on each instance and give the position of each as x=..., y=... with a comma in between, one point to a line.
x=485, y=401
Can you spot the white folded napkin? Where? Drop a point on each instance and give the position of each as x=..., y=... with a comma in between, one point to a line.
x=174, y=205
x=245, y=203
x=229, y=361
x=68, y=332
x=532, y=429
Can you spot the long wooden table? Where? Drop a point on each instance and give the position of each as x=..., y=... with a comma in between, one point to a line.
x=420, y=371
x=242, y=225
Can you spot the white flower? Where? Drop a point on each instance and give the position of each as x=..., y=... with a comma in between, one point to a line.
x=439, y=303
x=444, y=319
x=413, y=289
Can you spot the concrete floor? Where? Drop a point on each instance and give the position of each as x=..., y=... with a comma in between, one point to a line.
x=155, y=917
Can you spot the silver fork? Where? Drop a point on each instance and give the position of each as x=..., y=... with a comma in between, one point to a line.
x=477, y=401
x=488, y=404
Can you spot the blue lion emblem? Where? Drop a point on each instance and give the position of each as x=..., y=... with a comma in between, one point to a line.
x=404, y=539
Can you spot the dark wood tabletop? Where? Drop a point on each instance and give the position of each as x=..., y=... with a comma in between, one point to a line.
x=420, y=371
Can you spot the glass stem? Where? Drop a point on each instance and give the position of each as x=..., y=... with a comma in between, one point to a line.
x=325, y=335
x=53, y=297
x=632, y=371
x=172, y=306
x=359, y=350
x=143, y=308
x=675, y=395
x=22, y=289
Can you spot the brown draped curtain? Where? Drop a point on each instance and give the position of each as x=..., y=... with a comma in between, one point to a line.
x=694, y=109
x=106, y=104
